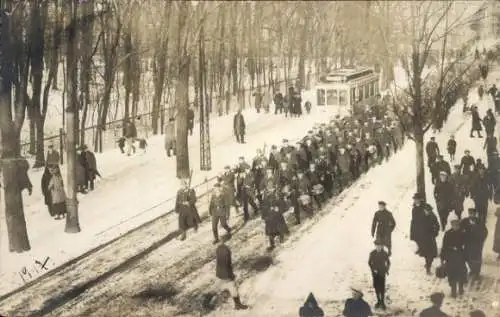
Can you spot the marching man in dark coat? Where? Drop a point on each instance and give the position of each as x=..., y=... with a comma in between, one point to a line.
x=379, y=265
x=383, y=225
x=460, y=188
x=356, y=306
x=453, y=257
x=185, y=206
x=239, y=127
x=53, y=157
x=432, y=150
x=476, y=123
x=90, y=165
x=481, y=192
x=475, y=233
x=444, y=194
x=219, y=208
x=190, y=120
x=426, y=233
x=417, y=212
x=272, y=212
x=452, y=147
x=435, y=309
x=224, y=272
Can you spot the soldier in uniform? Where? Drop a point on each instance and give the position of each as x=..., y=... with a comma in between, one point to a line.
x=383, y=225
x=432, y=150
x=185, y=206
x=344, y=168
x=475, y=233
x=275, y=224
x=317, y=189
x=452, y=147
x=439, y=166
x=379, y=265
x=225, y=274
x=228, y=179
x=453, y=257
x=444, y=194
x=246, y=194
x=258, y=166
x=460, y=189
x=303, y=193
x=219, y=209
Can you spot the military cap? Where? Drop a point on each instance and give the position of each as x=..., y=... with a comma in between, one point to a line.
x=417, y=196
x=285, y=140
x=241, y=158
x=227, y=167
x=217, y=185
x=378, y=242
x=381, y=202
x=433, y=138
x=357, y=290
x=310, y=131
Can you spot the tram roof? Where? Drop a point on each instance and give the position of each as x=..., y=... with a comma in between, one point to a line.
x=346, y=74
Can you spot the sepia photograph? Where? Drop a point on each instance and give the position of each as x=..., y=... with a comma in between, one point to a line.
x=177, y=158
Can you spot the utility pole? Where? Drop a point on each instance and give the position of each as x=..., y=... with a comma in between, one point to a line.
x=72, y=223
x=205, y=153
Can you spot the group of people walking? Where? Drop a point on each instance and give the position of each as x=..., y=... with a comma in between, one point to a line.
x=52, y=183
x=299, y=177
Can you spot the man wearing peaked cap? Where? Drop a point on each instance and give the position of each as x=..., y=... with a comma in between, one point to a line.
x=379, y=265
x=356, y=306
x=435, y=310
x=383, y=225
x=453, y=256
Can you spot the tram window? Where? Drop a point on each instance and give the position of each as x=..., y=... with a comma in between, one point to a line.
x=372, y=89
x=360, y=93
x=353, y=95
x=376, y=88
x=367, y=91
x=342, y=97
x=321, y=97
x=332, y=97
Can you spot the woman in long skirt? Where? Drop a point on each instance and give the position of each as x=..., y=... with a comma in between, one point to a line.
x=45, y=190
x=58, y=195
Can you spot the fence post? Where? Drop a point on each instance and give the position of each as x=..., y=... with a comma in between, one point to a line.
x=61, y=147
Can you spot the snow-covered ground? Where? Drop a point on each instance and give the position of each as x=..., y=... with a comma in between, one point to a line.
x=135, y=190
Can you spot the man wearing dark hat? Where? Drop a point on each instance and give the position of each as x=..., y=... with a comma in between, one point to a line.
x=246, y=190
x=427, y=233
x=453, y=257
x=435, y=310
x=185, y=206
x=89, y=163
x=432, y=150
x=239, y=127
x=228, y=181
x=224, y=272
x=356, y=306
x=259, y=164
x=219, y=208
x=286, y=148
x=417, y=213
x=275, y=224
x=190, y=119
x=53, y=157
x=451, y=146
x=383, y=225
x=303, y=189
x=467, y=163
x=379, y=265
x=311, y=308
x=475, y=233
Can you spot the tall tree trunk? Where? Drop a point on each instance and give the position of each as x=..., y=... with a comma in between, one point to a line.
x=72, y=222
x=127, y=68
x=86, y=66
x=10, y=137
x=234, y=52
x=59, y=14
x=182, y=94
x=418, y=129
x=303, y=51
x=37, y=50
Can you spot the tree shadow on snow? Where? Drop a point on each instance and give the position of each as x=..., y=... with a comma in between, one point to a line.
x=157, y=293
x=256, y=264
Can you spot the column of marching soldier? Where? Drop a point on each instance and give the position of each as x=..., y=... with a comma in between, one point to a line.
x=300, y=177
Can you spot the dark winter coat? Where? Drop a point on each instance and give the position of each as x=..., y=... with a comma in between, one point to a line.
x=480, y=188
x=219, y=205
x=356, y=308
x=417, y=212
x=45, y=189
x=432, y=149
x=490, y=144
x=496, y=235
x=379, y=262
x=476, y=121
x=53, y=158
x=275, y=223
x=129, y=130
x=452, y=251
x=475, y=234
x=185, y=206
x=444, y=194
x=467, y=164
x=489, y=123
x=239, y=124
x=90, y=164
x=190, y=118
x=383, y=225
x=441, y=166
x=427, y=233
x=452, y=146
x=223, y=263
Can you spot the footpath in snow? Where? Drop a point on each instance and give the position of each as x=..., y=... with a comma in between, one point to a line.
x=135, y=190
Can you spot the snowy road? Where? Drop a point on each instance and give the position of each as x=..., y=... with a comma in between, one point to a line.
x=172, y=279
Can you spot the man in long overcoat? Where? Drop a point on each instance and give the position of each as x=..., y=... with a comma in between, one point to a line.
x=417, y=212
x=224, y=272
x=239, y=127
x=427, y=232
x=272, y=211
x=432, y=150
x=444, y=194
x=90, y=165
x=475, y=233
x=481, y=193
x=190, y=120
x=185, y=206
x=476, y=123
x=453, y=257
x=383, y=225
